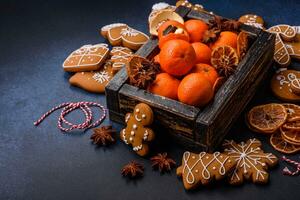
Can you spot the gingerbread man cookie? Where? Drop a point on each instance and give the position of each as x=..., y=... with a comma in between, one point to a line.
x=86, y=58
x=252, y=20
x=252, y=162
x=136, y=133
x=119, y=56
x=123, y=35
x=203, y=168
x=294, y=46
x=93, y=81
x=285, y=85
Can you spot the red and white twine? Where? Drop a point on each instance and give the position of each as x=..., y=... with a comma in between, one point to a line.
x=69, y=107
x=286, y=171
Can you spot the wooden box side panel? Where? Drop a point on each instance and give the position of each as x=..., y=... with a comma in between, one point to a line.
x=177, y=117
x=215, y=120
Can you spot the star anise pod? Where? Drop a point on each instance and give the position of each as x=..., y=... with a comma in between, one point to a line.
x=103, y=135
x=224, y=24
x=162, y=162
x=141, y=72
x=133, y=169
x=211, y=35
x=231, y=25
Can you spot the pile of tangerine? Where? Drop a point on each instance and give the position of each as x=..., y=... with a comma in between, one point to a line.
x=186, y=63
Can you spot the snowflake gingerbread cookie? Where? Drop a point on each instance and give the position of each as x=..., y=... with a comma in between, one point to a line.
x=93, y=81
x=202, y=168
x=252, y=162
x=86, y=58
x=136, y=134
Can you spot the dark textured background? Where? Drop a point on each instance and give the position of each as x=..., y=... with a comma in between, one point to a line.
x=41, y=162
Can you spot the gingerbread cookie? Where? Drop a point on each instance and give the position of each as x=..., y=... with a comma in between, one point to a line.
x=104, y=29
x=203, y=168
x=252, y=162
x=94, y=81
x=253, y=20
x=285, y=84
x=287, y=32
x=119, y=57
x=86, y=58
x=293, y=49
x=123, y=35
x=136, y=133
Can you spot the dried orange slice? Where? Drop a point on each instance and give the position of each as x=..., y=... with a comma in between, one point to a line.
x=242, y=44
x=281, y=145
x=254, y=129
x=295, y=125
x=290, y=135
x=293, y=112
x=225, y=60
x=267, y=118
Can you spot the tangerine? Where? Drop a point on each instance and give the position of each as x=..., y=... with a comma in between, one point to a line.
x=208, y=71
x=177, y=57
x=165, y=85
x=203, y=52
x=227, y=38
x=179, y=33
x=195, y=90
x=196, y=29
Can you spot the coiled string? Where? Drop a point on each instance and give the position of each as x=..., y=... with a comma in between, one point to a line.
x=69, y=107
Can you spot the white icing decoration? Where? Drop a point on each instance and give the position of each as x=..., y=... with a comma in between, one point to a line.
x=134, y=126
x=160, y=6
x=247, y=157
x=129, y=32
x=120, y=56
x=137, y=118
x=143, y=116
x=137, y=148
x=290, y=79
x=107, y=27
x=101, y=76
x=190, y=178
x=145, y=135
x=124, y=136
x=132, y=133
x=127, y=118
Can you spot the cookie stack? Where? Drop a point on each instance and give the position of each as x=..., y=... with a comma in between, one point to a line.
x=95, y=65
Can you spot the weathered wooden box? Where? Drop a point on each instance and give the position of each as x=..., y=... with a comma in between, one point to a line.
x=195, y=128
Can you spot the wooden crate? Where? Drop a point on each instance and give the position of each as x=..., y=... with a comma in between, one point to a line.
x=195, y=128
